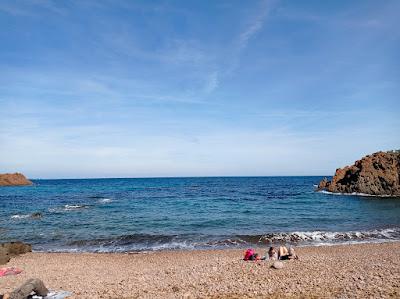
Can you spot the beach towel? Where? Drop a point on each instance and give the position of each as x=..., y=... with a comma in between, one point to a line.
x=54, y=295
x=9, y=271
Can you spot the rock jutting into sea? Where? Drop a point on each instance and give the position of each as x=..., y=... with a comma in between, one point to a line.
x=11, y=249
x=14, y=179
x=377, y=174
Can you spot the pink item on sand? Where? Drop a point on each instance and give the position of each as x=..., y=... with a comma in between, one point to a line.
x=9, y=271
x=249, y=252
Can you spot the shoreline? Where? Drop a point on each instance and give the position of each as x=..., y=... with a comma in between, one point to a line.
x=294, y=238
x=227, y=248
x=355, y=270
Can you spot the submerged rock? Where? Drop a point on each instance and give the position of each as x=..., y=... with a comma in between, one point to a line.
x=14, y=179
x=376, y=174
x=36, y=215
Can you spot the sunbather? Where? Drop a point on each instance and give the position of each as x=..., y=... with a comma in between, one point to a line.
x=251, y=255
x=272, y=254
x=35, y=286
x=282, y=252
x=285, y=254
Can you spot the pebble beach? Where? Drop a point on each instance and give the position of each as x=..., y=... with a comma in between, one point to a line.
x=341, y=271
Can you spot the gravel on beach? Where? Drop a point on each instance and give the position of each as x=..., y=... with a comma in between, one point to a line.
x=342, y=271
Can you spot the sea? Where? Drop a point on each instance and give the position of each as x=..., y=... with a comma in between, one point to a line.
x=148, y=214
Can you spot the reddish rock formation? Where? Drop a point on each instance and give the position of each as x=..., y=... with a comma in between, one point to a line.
x=14, y=179
x=376, y=174
x=11, y=249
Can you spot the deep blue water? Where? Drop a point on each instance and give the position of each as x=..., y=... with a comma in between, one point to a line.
x=161, y=213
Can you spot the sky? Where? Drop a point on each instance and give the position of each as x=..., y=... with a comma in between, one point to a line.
x=196, y=88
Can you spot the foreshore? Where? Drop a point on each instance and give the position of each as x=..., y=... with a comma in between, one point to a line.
x=342, y=271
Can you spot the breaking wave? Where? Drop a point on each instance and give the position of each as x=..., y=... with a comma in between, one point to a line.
x=105, y=200
x=149, y=242
x=354, y=194
x=68, y=208
x=321, y=237
x=74, y=207
x=126, y=243
x=20, y=216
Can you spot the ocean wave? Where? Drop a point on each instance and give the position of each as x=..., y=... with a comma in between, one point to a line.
x=310, y=237
x=36, y=215
x=105, y=200
x=355, y=194
x=129, y=243
x=74, y=207
x=150, y=242
x=125, y=240
x=174, y=246
x=67, y=208
x=20, y=216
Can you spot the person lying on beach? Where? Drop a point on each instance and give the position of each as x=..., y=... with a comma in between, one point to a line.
x=285, y=254
x=272, y=254
x=251, y=255
x=35, y=286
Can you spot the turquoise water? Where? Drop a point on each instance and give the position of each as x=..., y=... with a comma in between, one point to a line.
x=189, y=213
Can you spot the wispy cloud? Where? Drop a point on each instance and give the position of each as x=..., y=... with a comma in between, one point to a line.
x=384, y=15
x=87, y=87
x=254, y=25
x=14, y=9
x=32, y=8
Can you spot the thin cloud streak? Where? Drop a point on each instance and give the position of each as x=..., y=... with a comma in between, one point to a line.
x=242, y=41
x=255, y=25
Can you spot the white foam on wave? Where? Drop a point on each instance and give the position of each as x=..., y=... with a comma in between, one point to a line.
x=20, y=216
x=105, y=200
x=299, y=238
x=354, y=194
x=347, y=243
x=122, y=249
x=326, y=237
x=59, y=250
x=66, y=208
x=172, y=245
x=73, y=207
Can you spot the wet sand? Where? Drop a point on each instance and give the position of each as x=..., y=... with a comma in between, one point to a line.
x=345, y=271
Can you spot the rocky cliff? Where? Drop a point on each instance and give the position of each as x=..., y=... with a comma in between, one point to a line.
x=14, y=179
x=11, y=249
x=376, y=174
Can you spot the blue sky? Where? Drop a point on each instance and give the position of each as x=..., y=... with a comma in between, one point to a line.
x=196, y=88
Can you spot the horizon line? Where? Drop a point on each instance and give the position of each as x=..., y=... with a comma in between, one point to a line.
x=180, y=177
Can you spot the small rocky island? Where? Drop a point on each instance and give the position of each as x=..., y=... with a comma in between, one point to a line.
x=14, y=179
x=377, y=174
